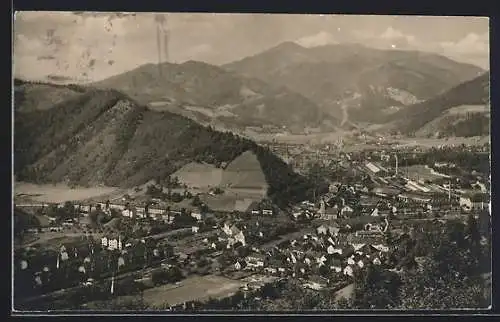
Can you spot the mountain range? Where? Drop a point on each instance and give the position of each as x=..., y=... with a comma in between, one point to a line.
x=103, y=137
x=354, y=82
x=211, y=95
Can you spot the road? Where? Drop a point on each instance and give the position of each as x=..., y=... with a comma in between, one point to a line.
x=169, y=233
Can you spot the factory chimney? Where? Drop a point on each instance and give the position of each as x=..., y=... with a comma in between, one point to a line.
x=396, y=157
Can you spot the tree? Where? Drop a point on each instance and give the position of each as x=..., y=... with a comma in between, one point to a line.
x=269, y=291
x=448, y=276
x=196, y=201
x=376, y=289
x=176, y=197
x=344, y=304
x=473, y=231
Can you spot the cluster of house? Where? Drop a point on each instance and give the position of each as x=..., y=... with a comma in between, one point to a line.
x=320, y=254
x=395, y=195
x=341, y=201
x=229, y=236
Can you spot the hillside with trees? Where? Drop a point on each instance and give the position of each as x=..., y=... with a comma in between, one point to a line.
x=208, y=92
x=104, y=137
x=421, y=117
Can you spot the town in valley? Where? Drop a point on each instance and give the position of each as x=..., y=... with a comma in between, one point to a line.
x=188, y=187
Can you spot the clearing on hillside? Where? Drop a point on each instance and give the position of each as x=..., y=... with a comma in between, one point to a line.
x=199, y=175
x=245, y=172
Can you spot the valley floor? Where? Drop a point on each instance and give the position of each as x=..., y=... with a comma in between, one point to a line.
x=58, y=193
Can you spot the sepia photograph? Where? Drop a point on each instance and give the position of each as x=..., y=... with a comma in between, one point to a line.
x=226, y=162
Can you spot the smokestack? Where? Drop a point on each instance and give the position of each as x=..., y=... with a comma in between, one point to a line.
x=396, y=156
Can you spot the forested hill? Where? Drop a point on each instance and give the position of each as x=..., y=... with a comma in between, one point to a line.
x=468, y=95
x=104, y=137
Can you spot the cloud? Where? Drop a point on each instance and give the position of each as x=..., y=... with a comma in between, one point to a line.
x=473, y=48
x=99, y=45
x=388, y=38
x=82, y=45
x=398, y=37
x=199, y=50
x=320, y=39
x=470, y=44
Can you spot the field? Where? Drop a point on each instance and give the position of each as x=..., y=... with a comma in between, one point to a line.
x=199, y=288
x=199, y=175
x=244, y=172
x=233, y=199
x=416, y=172
x=242, y=181
x=329, y=137
x=59, y=192
x=345, y=292
x=424, y=142
x=468, y=109
x=193, y=288
x=53, y=240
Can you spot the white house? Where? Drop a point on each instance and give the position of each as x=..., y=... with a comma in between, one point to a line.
x=350, y=261
x=321, y=261
x=237, y=266
x=334, y=231
x=377, y=261
x=127, y=213
x=255, y=260
x=156, y=211
x=240, y=237
x=330, y=250
x=357, y=246
x=112, y=244
x=322, y=230
x=227, y=229
x=140, y=211
x=466, y=202
x=104, y=241
x=195, y=229
x=336, y=268
x=196, y=215
x=348, y=271
x=381, y=248
x=117, y=206
x=346, y=211
x=361, y=264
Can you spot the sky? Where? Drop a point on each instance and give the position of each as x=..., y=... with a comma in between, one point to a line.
x=87, y=46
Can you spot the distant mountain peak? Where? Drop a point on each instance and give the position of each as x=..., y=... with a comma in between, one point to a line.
x=287, y=45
